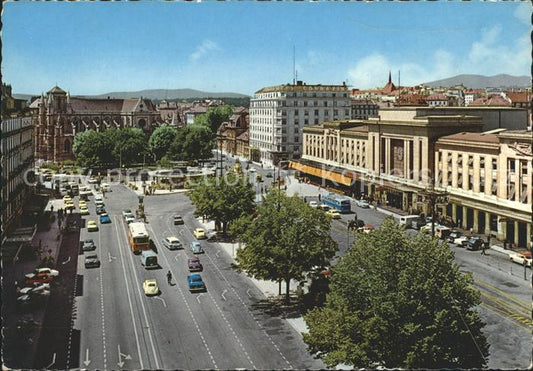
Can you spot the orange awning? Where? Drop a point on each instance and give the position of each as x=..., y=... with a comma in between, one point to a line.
x=320, y=173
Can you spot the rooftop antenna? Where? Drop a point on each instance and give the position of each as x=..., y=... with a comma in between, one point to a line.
x=294, y=65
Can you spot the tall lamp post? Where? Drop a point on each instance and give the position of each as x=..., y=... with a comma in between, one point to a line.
x=434, y=198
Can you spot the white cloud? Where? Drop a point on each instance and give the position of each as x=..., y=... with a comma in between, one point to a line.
x=202, y=49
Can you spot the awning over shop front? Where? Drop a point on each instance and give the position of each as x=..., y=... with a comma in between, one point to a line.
x=322, y=173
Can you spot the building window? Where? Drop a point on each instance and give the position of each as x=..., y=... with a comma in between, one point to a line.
x=67, y=146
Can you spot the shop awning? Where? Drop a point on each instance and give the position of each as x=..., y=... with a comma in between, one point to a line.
x=321, y=173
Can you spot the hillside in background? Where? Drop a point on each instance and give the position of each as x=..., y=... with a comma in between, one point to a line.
x=482, y=82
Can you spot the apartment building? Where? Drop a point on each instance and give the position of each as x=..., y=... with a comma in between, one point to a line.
x=17, y=162
x=279, y=113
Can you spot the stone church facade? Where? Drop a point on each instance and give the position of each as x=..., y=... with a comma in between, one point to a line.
x=58, y=117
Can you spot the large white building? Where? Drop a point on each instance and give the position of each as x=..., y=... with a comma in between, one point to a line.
x=279, y=113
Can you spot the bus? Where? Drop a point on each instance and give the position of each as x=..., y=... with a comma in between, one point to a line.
x=139, y=240
x=340, y=203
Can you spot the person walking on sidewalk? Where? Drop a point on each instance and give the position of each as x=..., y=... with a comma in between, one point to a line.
x=483, y=249
x=169, y=277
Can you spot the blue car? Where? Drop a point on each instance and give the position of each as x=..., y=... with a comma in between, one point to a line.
x=196, y=248
x=195, y=282
x=104, y=218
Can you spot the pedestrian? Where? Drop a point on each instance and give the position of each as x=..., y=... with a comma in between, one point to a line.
x=319, y=197
x=169, y=277
x=305, y=199
x=52, y=208
x=355, y=216
x=471, y=230
x=483, y=249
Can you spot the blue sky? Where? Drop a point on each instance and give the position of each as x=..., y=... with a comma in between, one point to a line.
x=95, y=48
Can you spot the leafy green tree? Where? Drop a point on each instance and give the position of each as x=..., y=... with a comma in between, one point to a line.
x=193, y=142
x=92, y=149
x=223, y=199
x=398, y=302
x=161, y=140
x=214, y=117
x=285, y=241
x=130, y=145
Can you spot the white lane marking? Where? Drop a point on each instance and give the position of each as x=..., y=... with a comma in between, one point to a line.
x=53, y=361
x=248, y=293
x=198, y=297
x=223, y=292
x=232, y=330
x=110, y=258
x=217, y=254
x=251, y=314
x=66, y=261
x=129, y=297
x=191, y=315
x=120, y=363
x=143, y=307
x=102, y=305
x=163, y=300
x=87, y=361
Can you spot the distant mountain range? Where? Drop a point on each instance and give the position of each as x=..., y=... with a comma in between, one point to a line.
x=482, y=82
x=157, y=94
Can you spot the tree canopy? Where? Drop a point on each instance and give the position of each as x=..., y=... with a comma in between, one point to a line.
x=284, y=242
x=399, y=303
x=161, y=140
x=192, y=142
x=214, y=117
x=223, y=199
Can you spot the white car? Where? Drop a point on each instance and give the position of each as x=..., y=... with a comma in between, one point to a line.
x=362, y=203
x=171, y=243
x=129, y=218
x=521, y=258
x=252, y=170
x=48, y=271
x=313, y=204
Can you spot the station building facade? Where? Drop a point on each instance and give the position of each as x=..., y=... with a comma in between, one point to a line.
x=396, y=158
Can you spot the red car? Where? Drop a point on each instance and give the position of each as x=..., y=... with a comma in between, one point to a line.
x=194, y=264
x=39, y=278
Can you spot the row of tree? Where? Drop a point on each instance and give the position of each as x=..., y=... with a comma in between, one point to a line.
x=114, y=147
x=394, y=301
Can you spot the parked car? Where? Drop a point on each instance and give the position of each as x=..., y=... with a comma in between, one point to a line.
x=88, y=245
x=92, y=261
x=367, y=228
x=362, y=203
x=51, y=272
x=195, y=282
x=521, y=258
x=194, y=264
x=453, y=236
x=104, y=218
x=178, y=220
x=196, y=248
x=92, y=226
x=130, y=218
x=150, y=287
x=100, y=210
x=334, y=214
x=126, y=212
x=67, y=198
x=323, y=207
x=474, y=244
x=92, y=180
x=171, y=243
x=459, y=241
x=313, y=204
x=84, y=210
x=199, y=233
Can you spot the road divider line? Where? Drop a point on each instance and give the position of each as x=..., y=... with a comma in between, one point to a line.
x=223, y=292
x=129, y=297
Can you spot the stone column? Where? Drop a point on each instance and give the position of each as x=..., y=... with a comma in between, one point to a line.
x=476, y=174
x=416, y=160
x=475, y=222
x=465, y=217
x=464, y=186
x=455, y=172
x=406, y=169
x=528, y=235
x=444, y=168
x=487, y=223
x=518, y=185
x=502, y=229
x=515, y=239
x=454, y=212
x=488, y=175
x=386, y=160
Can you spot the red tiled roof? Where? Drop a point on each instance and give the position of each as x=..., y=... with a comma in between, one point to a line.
x=519, y=96
x=438, y=96
x=493, y=100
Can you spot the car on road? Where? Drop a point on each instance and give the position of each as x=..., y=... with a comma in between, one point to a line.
x=196, y=248
x=171, y=243
x=84, y=210
x=522, y=258
x=92, y=180
x=67, y=198
x=362, y=203
x=195, y=282
x=126, y=212
x=313, y=204
x=100, y=210
x=70, y=205
x=130, y=218
x=252, y=170
x=88, y=245
x=454, y=236
x=36, y=289
x=334, y=214
x=474, y=243
x=367, y=228
x=39, y=278
x=194, y=264
x=92, y=226
x=82, y=203
x=178, y=220
x=92, y=261
x=104, y=218
x=199, y=234
x=323, y=207
x=150, y=287
x=49, y=271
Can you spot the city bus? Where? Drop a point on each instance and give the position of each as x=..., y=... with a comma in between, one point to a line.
x=340, y=203
x=139, y=240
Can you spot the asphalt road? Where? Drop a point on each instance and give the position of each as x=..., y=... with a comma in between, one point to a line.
x=227, y=327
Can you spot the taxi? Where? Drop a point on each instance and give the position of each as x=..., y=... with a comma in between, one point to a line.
x=92, y=226
x=199, y=234
x=334, y=214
